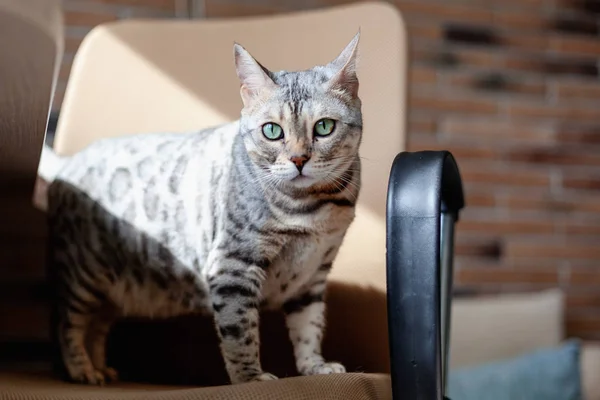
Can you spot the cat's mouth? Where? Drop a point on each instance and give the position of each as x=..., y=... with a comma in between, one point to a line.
x=303, y=180
x=300, y=178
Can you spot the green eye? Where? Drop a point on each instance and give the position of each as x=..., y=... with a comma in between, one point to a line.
x=272, y=131
x=324, y=127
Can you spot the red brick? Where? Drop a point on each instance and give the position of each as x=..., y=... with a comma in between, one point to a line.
x=473, y=81
x=583, y=324
x=460, y=151
x=520, y=201
x=575, y=45
x=507, y=226
x=480, y=246
x=420, y=125
x=495, y=130
x=520, y=4
x=564, y=204
x=582, y=203
x=479, y=199
x=79, y=18
x=519, y=20
x=483, y=153
x=424, y=30
x=218, y=9
x=528, y=5
x=445, y=11
x=588, y=228
x=422, y=75
x=577, y=298
x=586, y=183
x=587, y=135
x=480, y=57
x=557, y=112
x=429, y=53
x=437, y=103
x=578, y=90
x=559, y=155
x=161, y=4
x=539, y=63
x=513, y=177
x=584, y=276
x=534, y=42
x=506, y=275
x=72, y=44
x=553, y=249
x=530, y=64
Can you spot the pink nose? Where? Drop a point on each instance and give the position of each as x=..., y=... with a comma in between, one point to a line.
x=299, y=161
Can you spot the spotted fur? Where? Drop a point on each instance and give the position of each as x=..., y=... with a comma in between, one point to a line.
x=217, y=222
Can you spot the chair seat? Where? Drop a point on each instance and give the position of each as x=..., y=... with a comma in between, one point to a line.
x=40, y=386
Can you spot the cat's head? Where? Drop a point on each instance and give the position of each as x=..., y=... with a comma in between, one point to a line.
x=301, y=128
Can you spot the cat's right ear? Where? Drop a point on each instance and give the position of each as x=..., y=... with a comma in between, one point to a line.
x=254, y=78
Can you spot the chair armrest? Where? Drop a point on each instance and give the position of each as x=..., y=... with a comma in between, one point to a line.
x=425, y=196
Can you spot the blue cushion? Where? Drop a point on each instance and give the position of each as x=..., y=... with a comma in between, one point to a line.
x=547, y=374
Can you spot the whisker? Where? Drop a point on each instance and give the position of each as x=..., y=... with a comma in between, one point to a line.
x=350, y=183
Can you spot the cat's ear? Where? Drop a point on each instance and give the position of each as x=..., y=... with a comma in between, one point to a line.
x=344, y=66
x=254, y=78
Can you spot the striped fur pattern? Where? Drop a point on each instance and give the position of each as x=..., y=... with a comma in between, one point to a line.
x=220, y=222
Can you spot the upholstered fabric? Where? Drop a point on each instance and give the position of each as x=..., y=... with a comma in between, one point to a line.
x=32, y=386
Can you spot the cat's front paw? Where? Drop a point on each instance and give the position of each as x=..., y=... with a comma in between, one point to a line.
x=265, y=376
x=91, y=376
x=110, y=374
x=253, y=377
x=324, y=369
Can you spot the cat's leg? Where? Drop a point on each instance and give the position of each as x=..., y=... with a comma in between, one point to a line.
x=235, y=291
x=72, y=328
x=305, y=319
x=77, y=303
x=97, y=335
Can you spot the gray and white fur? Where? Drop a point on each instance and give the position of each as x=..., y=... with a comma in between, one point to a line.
x=223, y=222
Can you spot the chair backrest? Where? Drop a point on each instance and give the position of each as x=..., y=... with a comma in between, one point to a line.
x=147, y=76
x=31, y=47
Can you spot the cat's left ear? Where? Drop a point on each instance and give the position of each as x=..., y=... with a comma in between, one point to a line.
x=344, y=66
x=254, y=78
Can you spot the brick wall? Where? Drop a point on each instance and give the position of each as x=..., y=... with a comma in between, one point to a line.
x=512, y=89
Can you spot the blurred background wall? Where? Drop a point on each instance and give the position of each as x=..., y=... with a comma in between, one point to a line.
x=512, y=88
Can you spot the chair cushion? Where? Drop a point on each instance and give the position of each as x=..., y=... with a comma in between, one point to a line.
x=40, y=386
x=549, y=374
x=491, y=328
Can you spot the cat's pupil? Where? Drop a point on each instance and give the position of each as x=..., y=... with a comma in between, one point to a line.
x=272, y=131
x=324, y=127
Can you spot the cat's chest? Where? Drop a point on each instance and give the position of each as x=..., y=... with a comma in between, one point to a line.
x=295, y=267
x=327, y=220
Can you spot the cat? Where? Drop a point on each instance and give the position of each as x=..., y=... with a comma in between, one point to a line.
x=227, y=221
